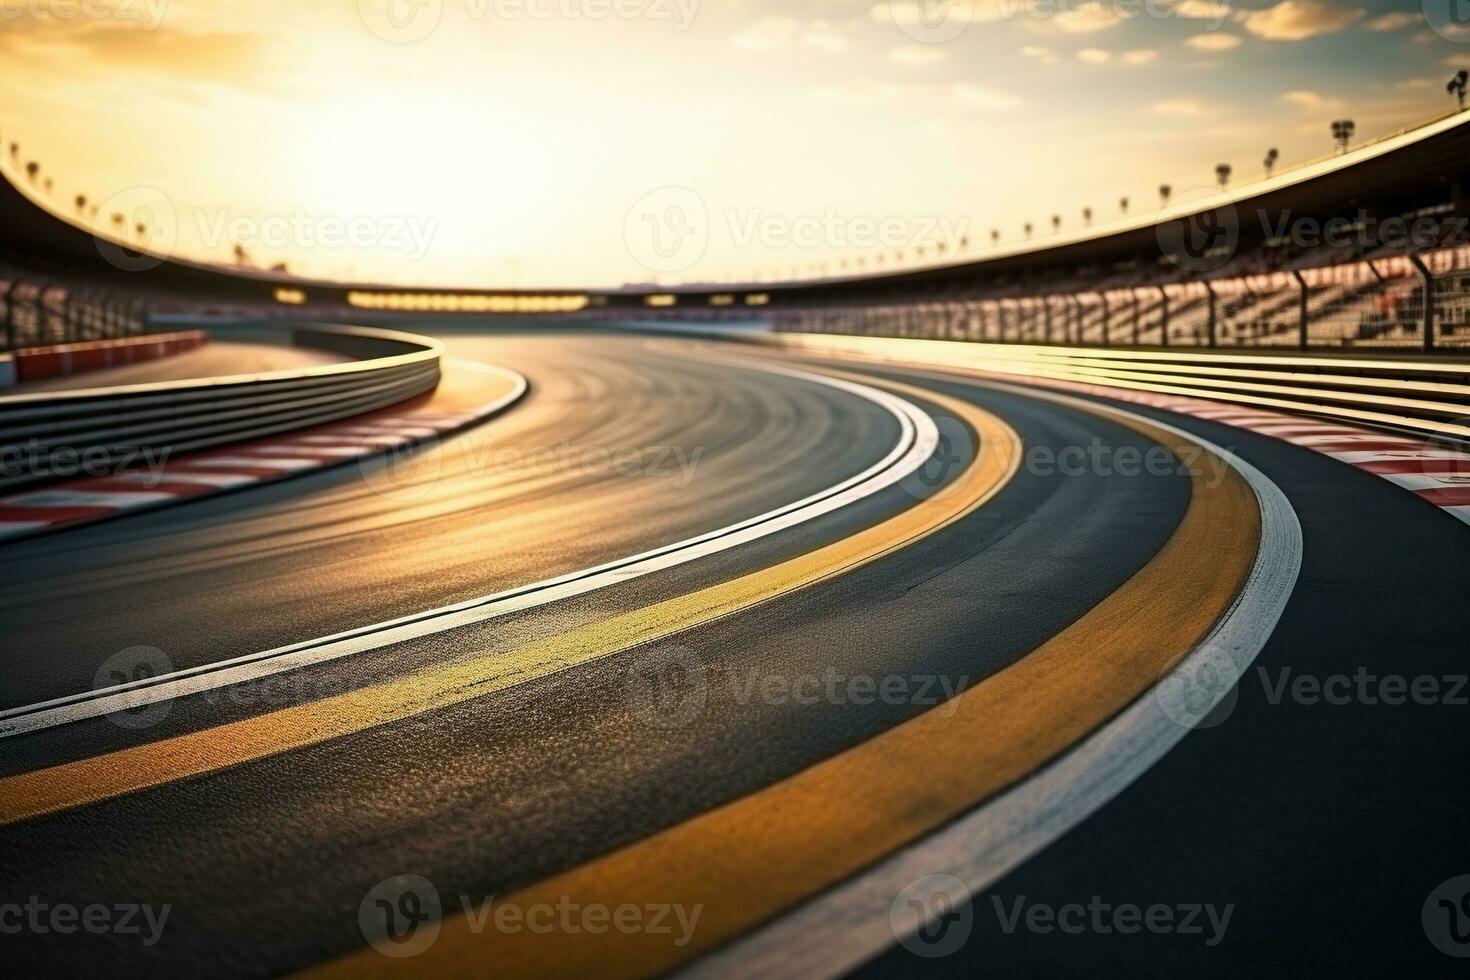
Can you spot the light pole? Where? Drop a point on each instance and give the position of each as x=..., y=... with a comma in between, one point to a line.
x=1456, y=87
x=1164, y=191
x=1272, y=155
x=1222, y=174
x=1342, y=132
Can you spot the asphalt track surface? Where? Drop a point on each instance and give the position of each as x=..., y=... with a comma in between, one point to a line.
x=1325, y=826
x=213, y=360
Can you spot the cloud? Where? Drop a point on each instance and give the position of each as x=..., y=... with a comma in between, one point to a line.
x=922, y=13
x=1138, y=56
x=1177, y=107
x=775, y=33
x=1297, y=20
x=1094, y=56
x=915, y=54
x=1085, y=18
x=768, y=34
x=986, y=98
x=1214, y=42
x=1308, y=101
x=229, y=57
x=1214, y=10
x=1035, y=51
x=1393, y=21
x=964, y=94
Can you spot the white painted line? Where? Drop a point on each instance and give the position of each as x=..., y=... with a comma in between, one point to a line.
x=1350, y=438
x=174, y=476
x=248, y=463
x=1461, y=511
x=1428, y=481
x=120, y=499
x=918, y=439
x=311, y=450
x=833, y=934
x=1391, y=455
x=361, y=443
x=20, y=527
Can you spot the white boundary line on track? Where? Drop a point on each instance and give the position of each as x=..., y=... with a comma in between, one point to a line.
x=838, y=931
x=918, y=438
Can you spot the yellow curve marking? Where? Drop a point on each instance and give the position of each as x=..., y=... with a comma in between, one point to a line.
x=748, y=860
x=72, y=784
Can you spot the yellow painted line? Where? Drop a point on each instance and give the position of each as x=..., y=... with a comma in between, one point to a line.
x=748, y=860
x=74, y=784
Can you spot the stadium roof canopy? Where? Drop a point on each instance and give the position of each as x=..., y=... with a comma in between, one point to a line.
x=1424, y=167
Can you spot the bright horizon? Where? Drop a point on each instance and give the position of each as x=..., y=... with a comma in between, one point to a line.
x=502, y=149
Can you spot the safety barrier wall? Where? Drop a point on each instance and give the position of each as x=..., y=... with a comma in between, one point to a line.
x=107, y=428
x=1424, y=396
x=34, y=363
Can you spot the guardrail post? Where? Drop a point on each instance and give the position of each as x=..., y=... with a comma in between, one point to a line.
x=1106, y=319
x=1046, y=318
x=1210, y=323
x=1426, y=282
x=1136, y=334
x=1303, y=335
x=1164, y=317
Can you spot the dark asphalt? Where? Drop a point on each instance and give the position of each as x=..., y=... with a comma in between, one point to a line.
x=1321, y=824
x=506, y=789
x=1327, y=826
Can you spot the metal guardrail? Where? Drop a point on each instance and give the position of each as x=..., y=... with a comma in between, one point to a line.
x=98, y=430
x=1421, y=397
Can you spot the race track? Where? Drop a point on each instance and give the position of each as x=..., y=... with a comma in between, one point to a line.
x=705, y=626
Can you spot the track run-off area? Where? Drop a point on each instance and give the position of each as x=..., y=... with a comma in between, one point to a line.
x=732, y=660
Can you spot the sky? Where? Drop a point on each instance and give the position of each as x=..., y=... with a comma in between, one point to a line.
x=566, y=143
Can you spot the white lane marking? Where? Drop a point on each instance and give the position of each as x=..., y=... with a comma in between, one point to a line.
x=1462, y=511
x=1393, y=455
x=838, y=931
x=20, y=527
x=308, y=450
x=1349, y=439
x=918, y=439
x=175, y=476
x=119, y=499
x=248, y=463
x=1429, y=481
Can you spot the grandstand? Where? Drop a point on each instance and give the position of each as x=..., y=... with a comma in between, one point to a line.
x=1368, y=249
